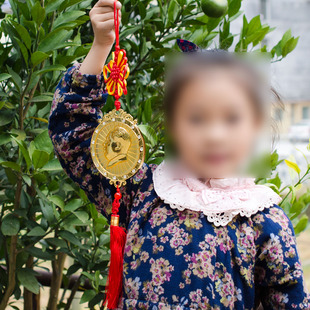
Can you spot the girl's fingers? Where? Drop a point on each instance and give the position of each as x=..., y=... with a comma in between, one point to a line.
x=102, y=14
x=103, y=10
x=102, y=17
x=108, y=3
x=107, y=25
x=98, y=18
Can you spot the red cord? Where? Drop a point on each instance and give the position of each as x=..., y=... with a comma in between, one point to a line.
x=116, y=25
x=117, y=48
x=116, y=203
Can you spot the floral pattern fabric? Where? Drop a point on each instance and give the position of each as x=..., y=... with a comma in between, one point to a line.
x=174, y=259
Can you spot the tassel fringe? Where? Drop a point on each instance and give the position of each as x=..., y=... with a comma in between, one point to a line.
x=118, y=238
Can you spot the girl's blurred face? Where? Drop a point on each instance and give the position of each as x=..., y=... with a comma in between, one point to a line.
x=214, y=125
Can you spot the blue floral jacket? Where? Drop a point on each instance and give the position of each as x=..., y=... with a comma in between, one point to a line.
x=177, y=259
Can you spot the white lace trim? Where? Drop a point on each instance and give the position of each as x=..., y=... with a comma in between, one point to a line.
x=219, y=205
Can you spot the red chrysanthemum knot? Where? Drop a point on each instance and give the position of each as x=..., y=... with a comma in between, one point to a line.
x=115, y=74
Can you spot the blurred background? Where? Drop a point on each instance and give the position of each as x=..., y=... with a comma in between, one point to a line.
x=292, y=79
x=55, y=230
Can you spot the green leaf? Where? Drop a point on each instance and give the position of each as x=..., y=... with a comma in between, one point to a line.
x=233, y=7
x=39, y=253
x=10, y=225
x=38, y=13
x=6, y=117
x=27, y=179
x=37, y=57
x=174, y=35
x=4, y=76
x=54, y=40
x=81, y=215
x=100, y=227
x=302, y=224
x=87, y=296
x=212, y=23
x=297, y=207
x=67, y=17
x=276, y=181
x=15, y=78
x=42, y=98
x=52, y=165
x=57, y=200
x=142, y=10
x=68, y=3
x=51, y=68
x=47, y=210
x=56, y=242
x=39, y=158
x=11, y=165
x=286, y=36
x=70, y=237
x=23, y=49
x=27, y=278
x=36, y=231
x=149, y=134
x=53, y=6
x=43, y=142
x=23, y=34
x=40, y=119
x=147, y=110
x=292, y=165
x=173, y=10
x=73, y=204
x=254, y=25
x=289, y=46
x=5, y=138
x=23, y=149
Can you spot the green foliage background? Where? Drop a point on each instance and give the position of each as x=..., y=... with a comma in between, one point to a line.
x=43, y=215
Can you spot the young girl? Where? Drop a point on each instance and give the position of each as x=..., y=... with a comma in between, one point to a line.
x=197, y=238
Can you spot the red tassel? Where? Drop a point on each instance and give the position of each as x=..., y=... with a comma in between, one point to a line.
x=115, y=286
x=117, y=245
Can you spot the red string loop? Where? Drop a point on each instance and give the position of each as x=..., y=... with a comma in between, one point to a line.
x=116, y=71
x=116, y=25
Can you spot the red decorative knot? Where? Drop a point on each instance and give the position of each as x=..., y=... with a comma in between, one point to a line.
x=117, y=104
x=116, y=203
x=118, y=196
x=115, y=74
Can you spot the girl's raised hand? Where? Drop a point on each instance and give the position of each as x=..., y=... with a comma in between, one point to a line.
x=102, y=19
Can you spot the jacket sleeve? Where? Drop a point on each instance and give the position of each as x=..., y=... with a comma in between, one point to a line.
x=75, y=113
x=278, y=272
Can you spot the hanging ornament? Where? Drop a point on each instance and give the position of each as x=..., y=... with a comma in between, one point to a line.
x=117, y=150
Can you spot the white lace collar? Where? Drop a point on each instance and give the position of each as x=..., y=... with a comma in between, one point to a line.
x=219, y=199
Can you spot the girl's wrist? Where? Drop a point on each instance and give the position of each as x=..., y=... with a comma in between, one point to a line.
x=102, y=45
x=95, y=59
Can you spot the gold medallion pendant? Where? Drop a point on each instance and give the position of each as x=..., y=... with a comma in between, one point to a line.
x=117, y=147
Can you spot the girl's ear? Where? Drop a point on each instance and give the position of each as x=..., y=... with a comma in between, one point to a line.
x=187, y=46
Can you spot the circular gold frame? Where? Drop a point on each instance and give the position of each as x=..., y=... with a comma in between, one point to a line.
x=117, y=147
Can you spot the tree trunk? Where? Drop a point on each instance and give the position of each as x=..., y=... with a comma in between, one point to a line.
x=13, y=252
x=28, y=296
x=58, y=266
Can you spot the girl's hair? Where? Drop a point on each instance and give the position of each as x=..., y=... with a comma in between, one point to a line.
x=185, y=68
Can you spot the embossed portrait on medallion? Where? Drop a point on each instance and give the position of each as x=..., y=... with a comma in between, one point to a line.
x=116, y=146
